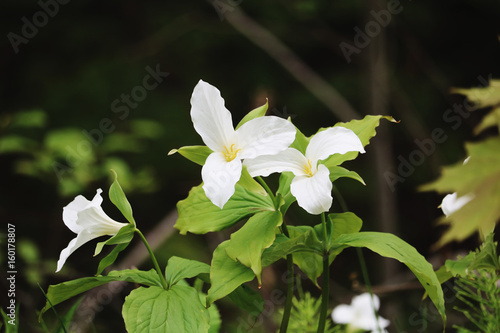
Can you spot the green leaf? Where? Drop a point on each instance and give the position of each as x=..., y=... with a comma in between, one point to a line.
x=344, y=223
x=483, y=96
x=118, y=198
x=301, y=141
x=124, y=235
x=249, y=183
x=337, y=172
x=197, y=214
x=155, y=309
x=255, y=113
x=365, y=129
x=479, y=176
x=247, y=299
x=68, y=317
x=306, y=241
x=483, y=258
x=111, y=257
x=489, y=120
x=65, y=290
x=226, y=274
x=180, y=268
x=11, y=325
x=309, y=263
x=17, y=144
x=29, y=119
x=284, y=190
x=390, y=246
x=248, y=243
x=214, y=314
x=196, y=154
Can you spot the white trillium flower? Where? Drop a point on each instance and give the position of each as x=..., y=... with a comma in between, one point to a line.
x=452, y=203
x=86, y=219
x=213, y=122
x=311, y=186
x=361, y=314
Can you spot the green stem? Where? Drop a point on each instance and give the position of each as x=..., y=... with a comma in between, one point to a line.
x=325, y=293
x=289, y=294
x=289, y=266
x=153, y=258
x=268, y=190
x=359, y=252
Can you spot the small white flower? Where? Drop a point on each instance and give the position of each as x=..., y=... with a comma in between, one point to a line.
x=86, y=219
x=452, y=203
x=361, y=314
x=213, y=122
x=311, y=186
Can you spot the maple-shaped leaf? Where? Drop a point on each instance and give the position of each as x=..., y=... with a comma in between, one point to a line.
x=480, y=176
x=484, y=97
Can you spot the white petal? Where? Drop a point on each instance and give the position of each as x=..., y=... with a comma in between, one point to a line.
x=342, y=314
x=365, y=302
x=314, y=194
x=211, y=119
x=219, y=178
x=82, y=238
x=288, y=160
x=94, y=221
x=70, y=212
x=334, y=140
x=265, y=136
x=451, y=203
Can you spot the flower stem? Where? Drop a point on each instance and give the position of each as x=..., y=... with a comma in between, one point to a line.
x=325, y=293
x=289, y=265
x=153, y=258
x=268, y=190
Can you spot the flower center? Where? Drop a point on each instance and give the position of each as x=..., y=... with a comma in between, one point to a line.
x=230, y=154
x=308, y=168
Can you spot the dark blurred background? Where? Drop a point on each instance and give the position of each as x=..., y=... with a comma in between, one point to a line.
x=88, y=86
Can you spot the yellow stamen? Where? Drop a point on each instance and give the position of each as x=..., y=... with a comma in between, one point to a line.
x=308, y=168
x=230, y=154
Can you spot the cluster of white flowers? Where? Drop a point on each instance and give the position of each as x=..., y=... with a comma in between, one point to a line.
x=262, y=144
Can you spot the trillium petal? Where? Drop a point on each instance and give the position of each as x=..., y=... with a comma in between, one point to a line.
x=219, y=178
x=452, y=203
x=265, y=136
x=334, y=140
x=288, y=160
x=82, y=238
x=314, y=194
x=342, y=314
x=96, y=222
x=211, y=119
x=70, y=212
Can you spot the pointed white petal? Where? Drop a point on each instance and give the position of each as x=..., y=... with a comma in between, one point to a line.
x=211, y=119
x=314, y=194
x=451, y=203
x=219, y=178
x=334, y=140
x=82, y=238
x=288, y=160
x=342, y=314
x=265, y=136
